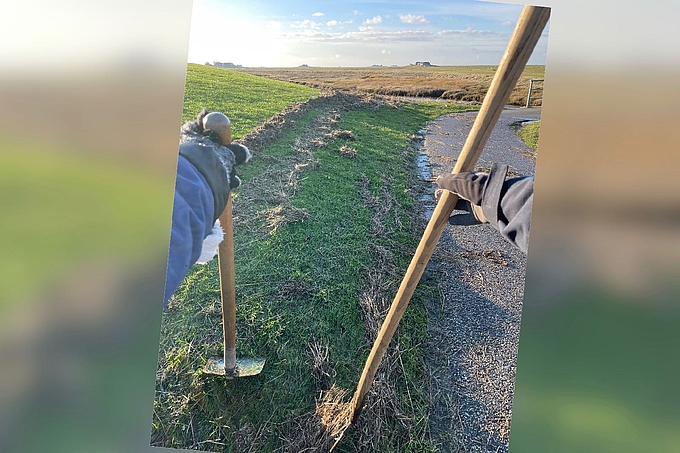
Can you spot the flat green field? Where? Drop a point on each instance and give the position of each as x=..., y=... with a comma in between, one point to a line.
x=246, y=100
x=325, y=226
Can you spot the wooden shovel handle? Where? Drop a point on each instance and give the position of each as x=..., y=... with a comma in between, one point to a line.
x=225, y=257
x=527, y=32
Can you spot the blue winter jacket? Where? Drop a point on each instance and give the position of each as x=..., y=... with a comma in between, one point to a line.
x=192, y=221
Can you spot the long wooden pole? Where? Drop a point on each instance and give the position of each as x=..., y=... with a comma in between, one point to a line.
x=225, y=259
x=529, y=27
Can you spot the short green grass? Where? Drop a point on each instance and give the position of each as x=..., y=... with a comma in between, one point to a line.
x=326, y=258
x=245, y=99
x=529, y=134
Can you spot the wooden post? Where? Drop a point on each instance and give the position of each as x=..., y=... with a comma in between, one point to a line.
x=531, y=86
x=527, y=32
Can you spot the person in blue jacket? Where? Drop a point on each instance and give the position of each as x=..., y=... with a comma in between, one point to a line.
x=205, y=177
x=490, y=197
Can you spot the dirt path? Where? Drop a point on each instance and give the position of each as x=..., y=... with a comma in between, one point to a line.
x=474, y=326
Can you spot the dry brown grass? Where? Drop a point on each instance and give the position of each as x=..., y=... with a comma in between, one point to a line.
x=281, y=215
x=348, y=151
x=465, y=83
x=321, y=430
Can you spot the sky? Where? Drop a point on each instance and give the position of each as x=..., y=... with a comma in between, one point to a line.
x=270, y=33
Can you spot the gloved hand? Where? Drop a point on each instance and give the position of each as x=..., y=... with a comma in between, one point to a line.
x=206, y=143
x=217, y=127
x=242, y=155
x=469, y=186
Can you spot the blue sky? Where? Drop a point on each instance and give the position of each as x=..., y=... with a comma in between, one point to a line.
x=353, y=33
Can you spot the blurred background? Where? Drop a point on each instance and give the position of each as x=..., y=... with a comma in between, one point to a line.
x=90, y=106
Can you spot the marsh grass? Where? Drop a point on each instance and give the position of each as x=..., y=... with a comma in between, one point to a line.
x=458, y=83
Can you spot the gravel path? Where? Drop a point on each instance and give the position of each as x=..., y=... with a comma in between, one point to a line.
x=474, y=325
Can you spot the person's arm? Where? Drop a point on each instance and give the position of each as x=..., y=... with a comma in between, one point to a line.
x=192, y=221
x=205, y=177
x=505, y=204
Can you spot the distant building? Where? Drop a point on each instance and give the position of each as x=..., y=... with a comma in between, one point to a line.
x=423, y=63
x=304, y=65
x=219, y=64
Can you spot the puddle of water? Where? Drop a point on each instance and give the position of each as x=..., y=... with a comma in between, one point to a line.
x=423, y=164
x=429, y=205
x=425, y=172
x=522, y=122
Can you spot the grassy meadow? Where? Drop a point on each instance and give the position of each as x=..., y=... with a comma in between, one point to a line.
x=246, y=100
x=348, y=216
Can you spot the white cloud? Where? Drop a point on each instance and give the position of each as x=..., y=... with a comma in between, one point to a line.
x=331, y=23
x=365, y=34
x=491, y=11
x=507, y=23
x=306, y=24
x=467, y=32
x=413, y=19
x=336, y=56
x=355, y=12
x=274, y=25
x=317, y=14
x=375, y=20
x=385, y=52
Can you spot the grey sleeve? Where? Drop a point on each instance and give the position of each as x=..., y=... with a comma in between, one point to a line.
x=507, y=205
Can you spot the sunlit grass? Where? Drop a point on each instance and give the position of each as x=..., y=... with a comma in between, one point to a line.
x=245, y=99
x=529, y=134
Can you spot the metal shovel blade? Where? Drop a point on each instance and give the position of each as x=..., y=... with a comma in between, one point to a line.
x=244, y=367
